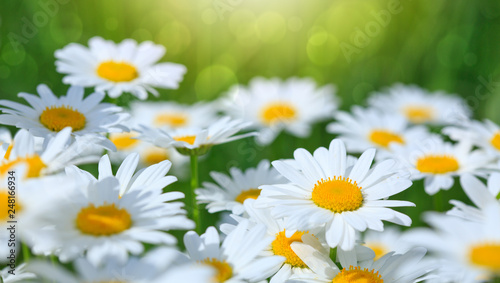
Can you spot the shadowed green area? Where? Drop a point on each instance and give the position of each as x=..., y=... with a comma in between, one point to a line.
x=360, y=46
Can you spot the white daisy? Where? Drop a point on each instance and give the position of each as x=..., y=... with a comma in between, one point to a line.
x=158, y=265
x=273, y=105
x=470, y=249
x=367, y=128
x=118, y=68
x=420, y=106
x=231, y=191
x=389, y=240
x=98, y=223
x=437, y=161
x=236, y=259
x=127, y=143
x=172, y=115
x=324, y=191
x=485, y=135
x=20, y=274
x=196, y=141
x=53, y=157
x=51, y=114
x=391, y=268
x=479, y=194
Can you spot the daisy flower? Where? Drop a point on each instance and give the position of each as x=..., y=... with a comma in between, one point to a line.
x=389, y=240
x=172, y=115
x=481, y=195
x=49, y=114
x=118, y=68
x=155, y=266
x=236, y=259
x=470, y=249
x=20, y=274
x=367, y=128
x=273, y=105
x=231, y=191
x=485, y=135
x=420, y=106
x=437, y=161
x=127, y=143
x=53, y=157
x=196, y=141
x=391, y=268
x=323, y=190
x=98, y=223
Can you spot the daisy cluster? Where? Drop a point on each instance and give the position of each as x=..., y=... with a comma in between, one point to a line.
x=327, y=215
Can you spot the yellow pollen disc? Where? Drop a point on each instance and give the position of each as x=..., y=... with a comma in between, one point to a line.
x=224, y=270
x=124, y=141
x=281, y=246
x=495, y=141
x=419, y=114
x=117, y=71
x=58, y=118
x=384, y=137
x=153, y=155
x=437, y=164
x=103, y=220
x=250, y=193
x=33, y=163
x=175, y=120
x=357, y=275
x=486, y=256
x=4, y=208
x=188, y=139
x=278, y=112
x=338, y=194
x=378, y=248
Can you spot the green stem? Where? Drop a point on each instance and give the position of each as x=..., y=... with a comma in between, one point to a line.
x=53, y=259
x=333, y=254
x=195, y=212
x=438, y=201
x=26, y=252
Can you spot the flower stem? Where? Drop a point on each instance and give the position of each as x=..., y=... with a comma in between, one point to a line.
x=26, y=252
x=333, y=254
x=438, y=201
x=195, y=212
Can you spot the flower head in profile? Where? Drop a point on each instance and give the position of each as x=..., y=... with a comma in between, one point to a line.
x=323, y=190
x=49, y=114
x=196, y=141
x=237, y=258
x=118, y=68
x=273, y=105
x=421, y=106
x=437, y=161
x=230, y=192
x=485, y=135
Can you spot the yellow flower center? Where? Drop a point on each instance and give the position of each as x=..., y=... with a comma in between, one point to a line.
x=278, y=112
x=357, y=275
x=378, y=248
x=338, y=194
x=175, y=120
x=419, y=114
x=250, y=193
x=281, y=246
x=384, y=137
x=124, y=141
x=224, y=270
x=154, y=155
x=437, y=164
x=495, y=141
x=188, y=139
x=103, y=220
x=33, y=163
x=117, y=71
x=58, y=118
x=486, y=256
x=4, y=207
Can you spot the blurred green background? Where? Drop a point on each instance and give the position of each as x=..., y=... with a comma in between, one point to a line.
x=359, y=45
